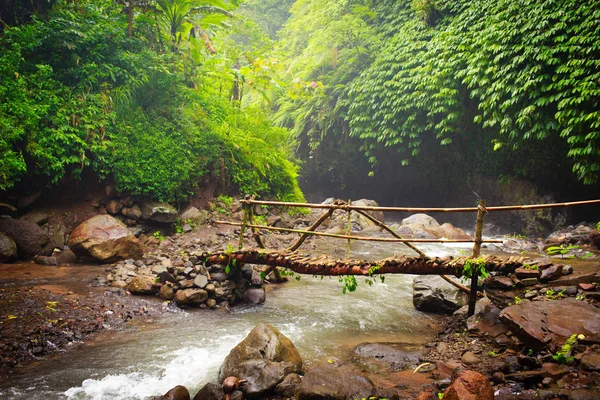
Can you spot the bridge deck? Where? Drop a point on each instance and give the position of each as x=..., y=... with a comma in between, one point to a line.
x=325, y=265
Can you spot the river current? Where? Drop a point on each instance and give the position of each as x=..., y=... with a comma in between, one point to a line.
x=187, y=347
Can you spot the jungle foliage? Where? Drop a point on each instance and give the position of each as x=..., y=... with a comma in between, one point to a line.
x=506, y=87
x=152, y=110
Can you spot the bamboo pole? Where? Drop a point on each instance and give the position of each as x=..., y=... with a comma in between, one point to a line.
x=390, y=231
x=349, y=230
x=476, y=251
x=422, y=209
x=366, y=239
x=311, y=228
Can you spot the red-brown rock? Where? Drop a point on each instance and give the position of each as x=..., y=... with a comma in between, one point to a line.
x=538, y=324
x=105, y=239
x=469, y=385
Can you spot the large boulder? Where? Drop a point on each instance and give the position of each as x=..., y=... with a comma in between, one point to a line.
x=264, y=358
x=435, y=295
x=8, y=248
x=370, y=203
x=105, y=239
x=195, y=216
x=469, y=385
x=421, y=219
x=542, y=323
x=332, y=382
x=449, y=231
x=158, y=212
x=30, y=239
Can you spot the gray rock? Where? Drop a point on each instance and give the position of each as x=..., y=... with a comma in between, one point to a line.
x=113, y=206
x=210, y=391
x=551, y=273
x=264, y=358
x=8, y=248
x=254, y=295
x=470, y=358
x=421, y=219
x=167, y=292
x=37, y=217
x=288, y=386
x=141, y=285
x=191, y=297
x=218, y=276
x=56, y=234
x=201, y=281
x=435, y=295
x=134, y=212
x=195, y=216
x=332, y=382
x=159, y=212
x=46, y=260
x=398, y=356
x=30, y=239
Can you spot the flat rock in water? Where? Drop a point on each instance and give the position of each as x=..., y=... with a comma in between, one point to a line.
x=538, y=324
x=331, y=382
x=435, y=295
x=398, y=355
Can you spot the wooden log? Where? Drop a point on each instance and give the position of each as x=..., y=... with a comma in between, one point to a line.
x=402, y=265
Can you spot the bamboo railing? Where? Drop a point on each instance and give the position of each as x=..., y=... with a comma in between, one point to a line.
x=481, y=209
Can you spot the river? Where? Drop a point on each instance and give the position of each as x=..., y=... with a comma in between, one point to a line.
x=187, y=347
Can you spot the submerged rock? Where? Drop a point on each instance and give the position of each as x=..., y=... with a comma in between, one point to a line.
x=399, y=356
x=264, y=358
x=105, y=239
x=435, y=295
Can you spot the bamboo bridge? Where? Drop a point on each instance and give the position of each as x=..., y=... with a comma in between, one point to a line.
x=420, y=264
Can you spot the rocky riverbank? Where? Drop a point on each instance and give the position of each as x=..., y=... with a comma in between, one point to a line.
x=81, y=300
